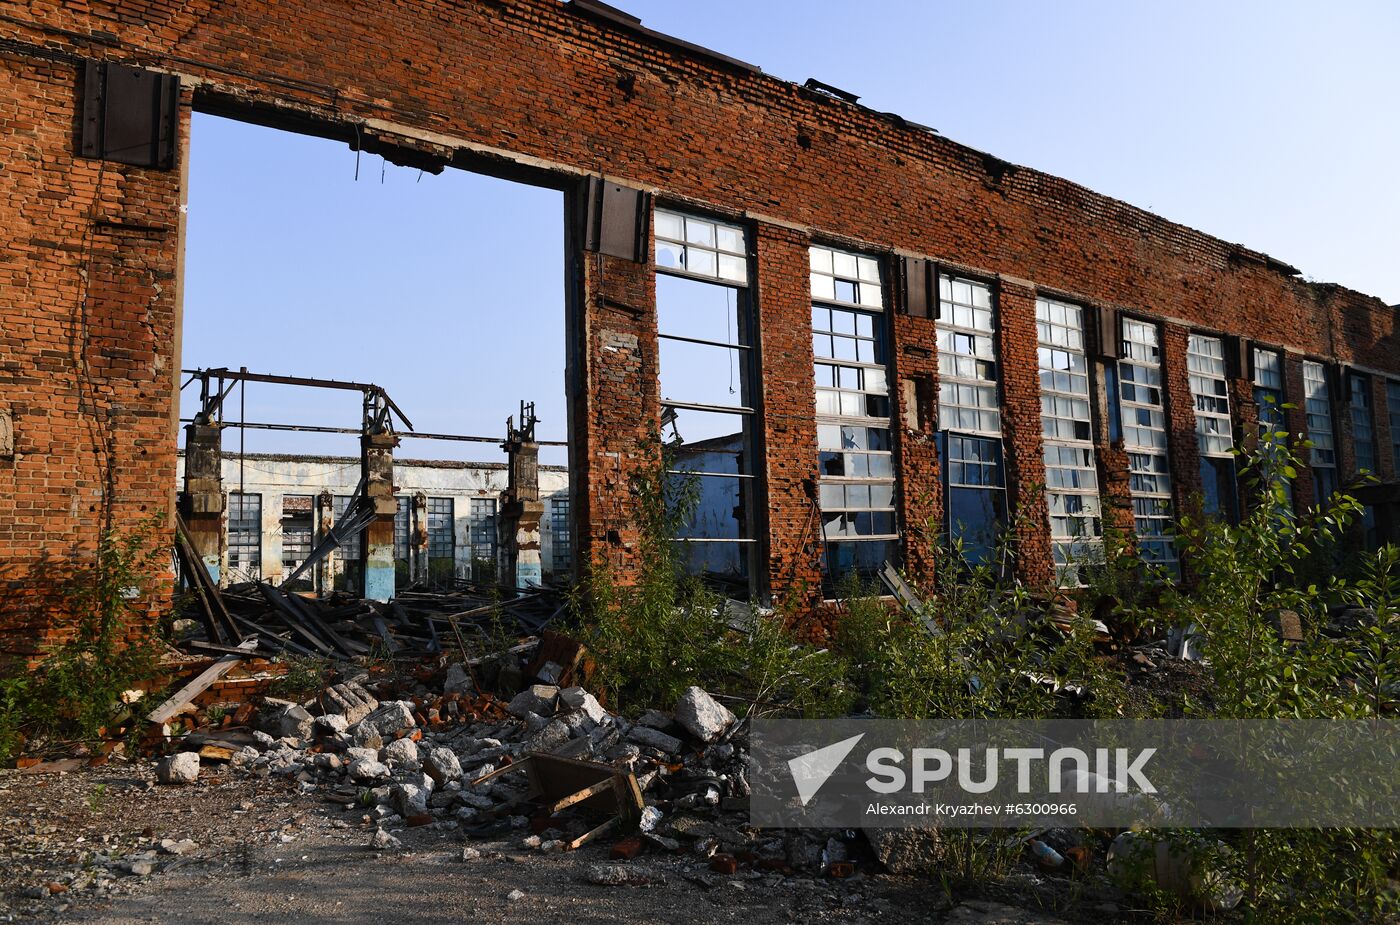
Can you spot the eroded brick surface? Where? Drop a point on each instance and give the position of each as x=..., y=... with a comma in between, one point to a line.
x=90, y=251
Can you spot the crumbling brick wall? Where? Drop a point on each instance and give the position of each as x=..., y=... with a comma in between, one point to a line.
x=550, y=92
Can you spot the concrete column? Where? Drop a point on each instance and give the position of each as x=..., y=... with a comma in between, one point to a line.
x=325, y=519
x=202, y=501
x=518, y=527
x=418, y=538
x=377, y=550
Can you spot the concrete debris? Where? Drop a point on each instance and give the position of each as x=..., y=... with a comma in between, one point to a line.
x=537, y=698
x=702, y=716
x=908, y=851
x=390, y=719
x=180, y=768
x=383, y=841
x=458, y=681
x=652, y=738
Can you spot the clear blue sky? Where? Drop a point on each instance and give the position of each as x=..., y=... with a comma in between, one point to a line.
x=1275, y=125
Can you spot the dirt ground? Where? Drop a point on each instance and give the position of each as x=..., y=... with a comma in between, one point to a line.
x=264, y=852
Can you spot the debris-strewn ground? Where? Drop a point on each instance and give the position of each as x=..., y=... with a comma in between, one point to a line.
x=264, y=852
x=375, y=800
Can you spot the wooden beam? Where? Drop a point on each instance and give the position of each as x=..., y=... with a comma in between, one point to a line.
x=200, y=684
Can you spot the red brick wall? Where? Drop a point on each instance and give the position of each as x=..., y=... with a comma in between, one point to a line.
x=88, y=256
x=533, y=87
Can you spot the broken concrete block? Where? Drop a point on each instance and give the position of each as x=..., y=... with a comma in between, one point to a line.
x=351, y=701
x=411, y=799
x=392, y=717
x=383, y=841
x=655, y=719
x=578, y=700
x=291, y=721
x=183, y=846
x=702, y=716
x=652, y=738
x=537, y=698
x=908, y=851
x=262, y=740
x=458, y=681
x=551, y=737
x=442, y=766
x=402, y=752
x=329, y=726
x=367, y=770
x=181, y=768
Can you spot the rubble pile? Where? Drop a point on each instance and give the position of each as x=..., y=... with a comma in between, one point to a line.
x=436, y=751
x=344, y=627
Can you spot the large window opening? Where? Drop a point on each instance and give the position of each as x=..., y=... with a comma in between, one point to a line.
x=1392, y=400
x=1269, y=399
x=704, y=326
x=1071, y=477
x=305, y=258
x=1322, y=456
x=1205, y=367
x=969, y=415
x=855, y=456
x=1145, y=437
x=1363, y=428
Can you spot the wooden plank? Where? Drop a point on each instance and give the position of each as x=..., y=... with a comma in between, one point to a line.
x=580, y=796
x=503, y=769
x=593, y=833
x=200, y=684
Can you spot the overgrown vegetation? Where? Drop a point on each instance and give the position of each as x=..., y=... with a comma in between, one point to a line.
x=75, y=693
x=665, y=632
x=995, y=654
x=1276, y=562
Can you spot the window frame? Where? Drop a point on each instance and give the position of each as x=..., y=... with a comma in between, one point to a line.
x=257, y=532
x=1066, y=546
x=1149, y=464
x=1318, y=404
x=868, y=285
x=744, y=347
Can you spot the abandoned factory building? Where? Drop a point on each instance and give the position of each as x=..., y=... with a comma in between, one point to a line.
x=446, y=524
x=905, y=333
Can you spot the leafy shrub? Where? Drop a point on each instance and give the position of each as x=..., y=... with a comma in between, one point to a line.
x=666, y=631
x=75, y=692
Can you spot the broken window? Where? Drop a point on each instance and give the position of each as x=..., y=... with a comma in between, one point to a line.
x=562, y=552
x=1205, y=369
x=855, y=458
x=1145, y=438
x=349, y=570
x=704, y=329
x=1268, y=397
x=442, y=543
x=1317, y=407
x=1392, y=400
x=297, y=528
x=481, y=532
x=1071, y=479
x=1268, y=389
x=1363, y=430
x=403, y=528
x=969, y=418
x=245, y=535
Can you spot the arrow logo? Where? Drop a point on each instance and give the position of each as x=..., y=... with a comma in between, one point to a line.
x=811, y=770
